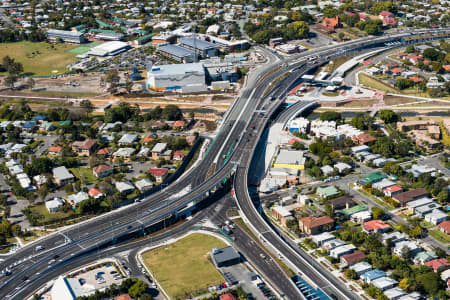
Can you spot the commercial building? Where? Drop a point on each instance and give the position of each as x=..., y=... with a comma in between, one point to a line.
x=70, y=289
x=290, y=159
x=203, y=48
x=163, y=38
x=227, y=45
x=109, y=49
x=176, y=53
x=176, y=77
x=65, y=36
x=225, y=257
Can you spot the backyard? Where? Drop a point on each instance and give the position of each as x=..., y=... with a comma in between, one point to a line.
x=440, y=236
x=42, y=216
x=40, y=58
x=184, y=267
x=85, y=175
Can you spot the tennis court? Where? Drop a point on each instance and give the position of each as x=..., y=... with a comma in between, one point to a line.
x=84, y=48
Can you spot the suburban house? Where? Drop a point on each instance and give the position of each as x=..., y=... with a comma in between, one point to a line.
x=411, y=195
x=438, y=265
x=352, y=258
x=158, y=150
x=102, y=170
x=84, y=148
x=313, y=225
x=393, y=190
x=375, y=226
x=159, y=173
x=106, y=151
x=445, y=227
x=75, y=199
x=327, y=192
x=124, y=187
x=342, y=202
x=53, y=205
x=143, y=185
x=95, y=193
x=62, y=176
x=128, y=139
x=178, y=155
x=281, y=213
x=331, y=24
x=55, y=150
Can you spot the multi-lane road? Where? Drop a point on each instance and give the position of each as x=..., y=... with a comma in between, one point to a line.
x=232, y=147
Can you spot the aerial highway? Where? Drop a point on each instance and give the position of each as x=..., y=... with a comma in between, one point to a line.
x=232, y=147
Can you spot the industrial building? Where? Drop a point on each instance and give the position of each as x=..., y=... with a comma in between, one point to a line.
x=203, y=48
x=221, y=72
x=185, y=77
x=290, y=160
x=109, y=49
x=176, y=53
x=65, y=36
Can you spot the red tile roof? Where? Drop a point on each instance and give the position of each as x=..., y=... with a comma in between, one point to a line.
x=227, y=296
x=178, y=153
x=312, y=222
x=94, y=192
x=291, y=141
x=386, y=14
x=436, y=264
x=397, y=70
x=178, y=124
x=446, y=67
x=445, y=225
x=85, y=145
x=375, y=225
x=105, y=151
x=124, y=297
x=393, y=189
x=102, y=169
x=158, y=172
x=55, y=149
x=354, y=257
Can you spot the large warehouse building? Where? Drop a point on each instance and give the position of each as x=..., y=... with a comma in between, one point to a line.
x=65, y=36
x=184, y=77
x=203, y=48
x=109, y=49
x=177, y=53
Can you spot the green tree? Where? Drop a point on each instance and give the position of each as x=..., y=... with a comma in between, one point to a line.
x=351, y=274
x=377, y=213
x=409, y=49
x=87, y=106
x=388, y=116
x=442, y=197
x=430, y=282
x=297, y=30
x=404, y=83
x=137, y=289
x=10, y=81
x=330, y=116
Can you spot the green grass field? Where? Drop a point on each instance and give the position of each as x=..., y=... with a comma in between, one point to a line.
x=49, y=217
x=440, y=236
x=85, y=175
x=183, y=267
x=40, y=58
x=376, y=84
x=84, y=48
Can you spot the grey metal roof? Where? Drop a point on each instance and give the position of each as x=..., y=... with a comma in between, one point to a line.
x=65, y=32
x=62, y=173
x=225, y=254
x=178, y=69
x=176, y=50
x=199, y=44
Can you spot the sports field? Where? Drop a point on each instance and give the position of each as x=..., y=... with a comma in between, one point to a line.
x=40, y=58
x=82, y=49
x=183, y=267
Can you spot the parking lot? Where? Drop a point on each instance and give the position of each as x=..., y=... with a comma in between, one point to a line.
x=101, y=277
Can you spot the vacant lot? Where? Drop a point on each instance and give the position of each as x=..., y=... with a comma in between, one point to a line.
x=183, y=267
x=376, y=84
x=40, y=58
x=85, y=175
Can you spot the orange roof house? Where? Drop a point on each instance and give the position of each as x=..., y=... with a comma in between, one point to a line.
x=331, y=23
